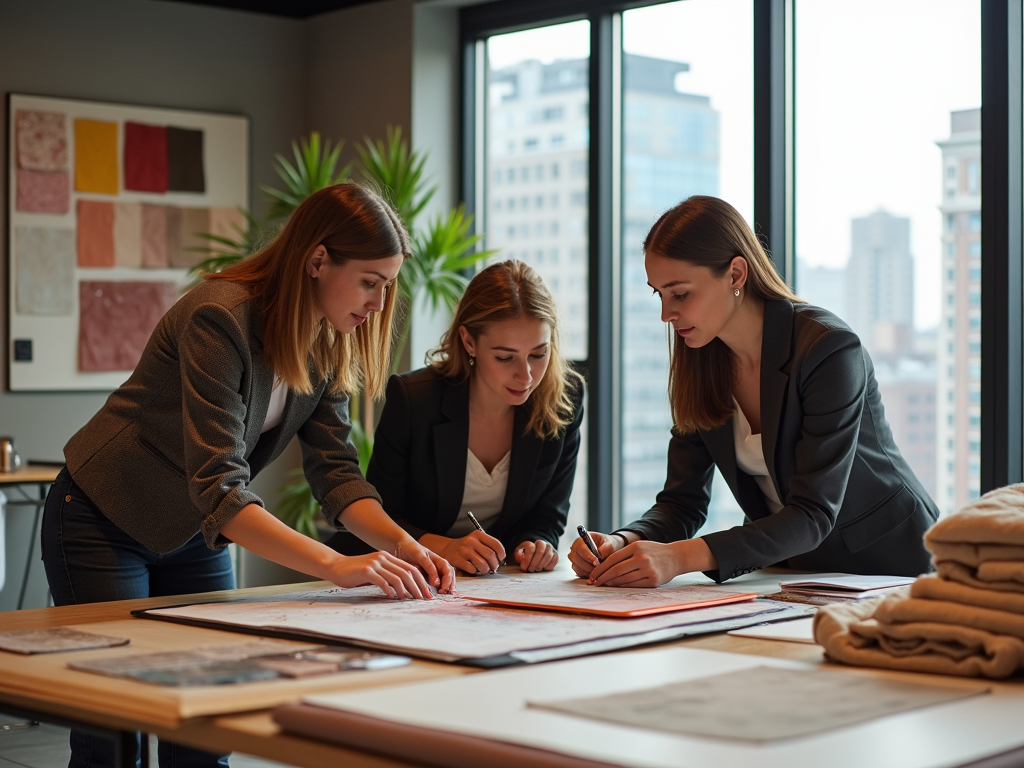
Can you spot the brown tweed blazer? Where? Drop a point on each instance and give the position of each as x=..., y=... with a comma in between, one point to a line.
x=174, y=448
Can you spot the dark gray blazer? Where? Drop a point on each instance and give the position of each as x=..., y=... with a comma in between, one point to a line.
x=419, y=463
x=174, y=448
x=852, y=503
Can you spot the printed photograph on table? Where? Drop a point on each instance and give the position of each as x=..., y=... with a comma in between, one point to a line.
x=107, y=208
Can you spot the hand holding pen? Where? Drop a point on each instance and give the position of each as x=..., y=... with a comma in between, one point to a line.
x=590, y=550
x=476, y=553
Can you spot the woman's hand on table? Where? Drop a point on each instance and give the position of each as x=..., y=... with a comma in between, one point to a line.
x=395, y=577
x=535, y=556
x=473, y=553
x=583, y=560
x=439, y=571
x=651, y=564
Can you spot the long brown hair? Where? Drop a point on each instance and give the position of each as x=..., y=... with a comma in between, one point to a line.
x=708, y=232
x=350, y=222
x=510, y=290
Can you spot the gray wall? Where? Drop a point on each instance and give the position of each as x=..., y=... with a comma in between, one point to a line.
x=347, y=74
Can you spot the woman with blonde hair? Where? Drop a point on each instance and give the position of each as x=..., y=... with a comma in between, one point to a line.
x=491, y=428
x=782, y=398
x=157, y=482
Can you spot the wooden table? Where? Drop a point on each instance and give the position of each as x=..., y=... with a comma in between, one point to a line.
x=252, y=732
x=40, y=475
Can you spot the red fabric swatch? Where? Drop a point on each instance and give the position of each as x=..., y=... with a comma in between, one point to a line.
x=95, y=234
x=43, y=191
x=145, y=157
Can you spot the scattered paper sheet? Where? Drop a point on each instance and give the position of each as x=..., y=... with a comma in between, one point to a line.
x=55, y=640
x=145, y=157
x=116, y=320
x=42, y=139
x=96, y=168
x=797, y=631
x=761, y=704
x=43, y=191
x=447, y=628
x=95, y=233
x=185, y=171
x=45, y=267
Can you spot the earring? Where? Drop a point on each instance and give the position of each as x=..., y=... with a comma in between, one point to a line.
x=736, y=292
x=472, y=361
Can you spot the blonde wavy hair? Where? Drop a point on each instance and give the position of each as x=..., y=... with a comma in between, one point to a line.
x=511, y=290
x=708, y=232
x=350, y=222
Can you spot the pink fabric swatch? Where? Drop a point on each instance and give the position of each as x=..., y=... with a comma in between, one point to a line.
x=43, y=191
x=95, y=234
x=154, y=236
x=116, y=320
x=227, y=222
x=128, y=234
x=42, y=139
x=173, y=214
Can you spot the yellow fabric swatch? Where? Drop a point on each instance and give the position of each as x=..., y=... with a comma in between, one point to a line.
x=96, y=167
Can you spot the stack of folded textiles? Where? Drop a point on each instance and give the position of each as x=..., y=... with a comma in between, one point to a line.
x=968, y=619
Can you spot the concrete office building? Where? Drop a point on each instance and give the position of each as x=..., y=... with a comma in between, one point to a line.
x=959, y=343
x=537, y=191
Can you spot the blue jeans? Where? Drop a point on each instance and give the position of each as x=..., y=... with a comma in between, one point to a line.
x=88, y=559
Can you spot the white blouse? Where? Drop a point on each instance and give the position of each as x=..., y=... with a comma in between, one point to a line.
x=275, y=411
x=484, y=494
x=750, y=458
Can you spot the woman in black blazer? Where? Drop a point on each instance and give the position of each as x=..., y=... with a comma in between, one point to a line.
x=782, y=397
x=491, y=427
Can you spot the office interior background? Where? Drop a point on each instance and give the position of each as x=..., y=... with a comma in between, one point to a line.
x=858, y=138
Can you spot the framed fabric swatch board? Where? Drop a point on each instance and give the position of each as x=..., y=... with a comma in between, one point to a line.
x=105, y=203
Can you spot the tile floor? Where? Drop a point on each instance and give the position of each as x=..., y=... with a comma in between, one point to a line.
x=46, y=746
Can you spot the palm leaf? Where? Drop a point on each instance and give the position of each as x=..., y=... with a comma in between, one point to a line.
x=399, y=172
x=315, y=167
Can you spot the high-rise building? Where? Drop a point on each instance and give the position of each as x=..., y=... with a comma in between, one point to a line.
x=880, y=283
x=822, y=286
x=958, y=452
x=537, y=194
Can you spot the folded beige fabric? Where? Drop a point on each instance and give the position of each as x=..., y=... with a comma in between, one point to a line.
x=954, y=571
x=849, y=635
x=974, y=554
x=998, y=571
x=931, y=587
x=913, y=609
x=995, y=518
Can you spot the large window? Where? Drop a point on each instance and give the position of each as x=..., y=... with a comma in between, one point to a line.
x=687, y=129
x=888, y=211
x=848, y=132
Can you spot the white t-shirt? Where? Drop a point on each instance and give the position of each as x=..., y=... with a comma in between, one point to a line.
x=484, y=494
x=750, y=458
x=275, y=411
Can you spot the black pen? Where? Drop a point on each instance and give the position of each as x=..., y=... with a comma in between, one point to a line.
x=585, y=535
x=476, y=524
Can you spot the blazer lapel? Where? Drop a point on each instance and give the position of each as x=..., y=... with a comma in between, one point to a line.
x=259, y=398
x=451, y=442
x=526, y=450
x=775, y=349
x=722, y=446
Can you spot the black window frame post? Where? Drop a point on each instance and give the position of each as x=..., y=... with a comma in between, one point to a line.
x=1002, y=278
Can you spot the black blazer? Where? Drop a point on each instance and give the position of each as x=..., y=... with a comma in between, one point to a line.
x=852, y=503
x=419, y=464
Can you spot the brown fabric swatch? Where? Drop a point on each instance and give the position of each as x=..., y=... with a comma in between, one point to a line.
x=128, y=234
x=185, y=171
x=154, y=236
x=194, y=249
x=43, y=191
x=95, y=234
x=116, y=320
